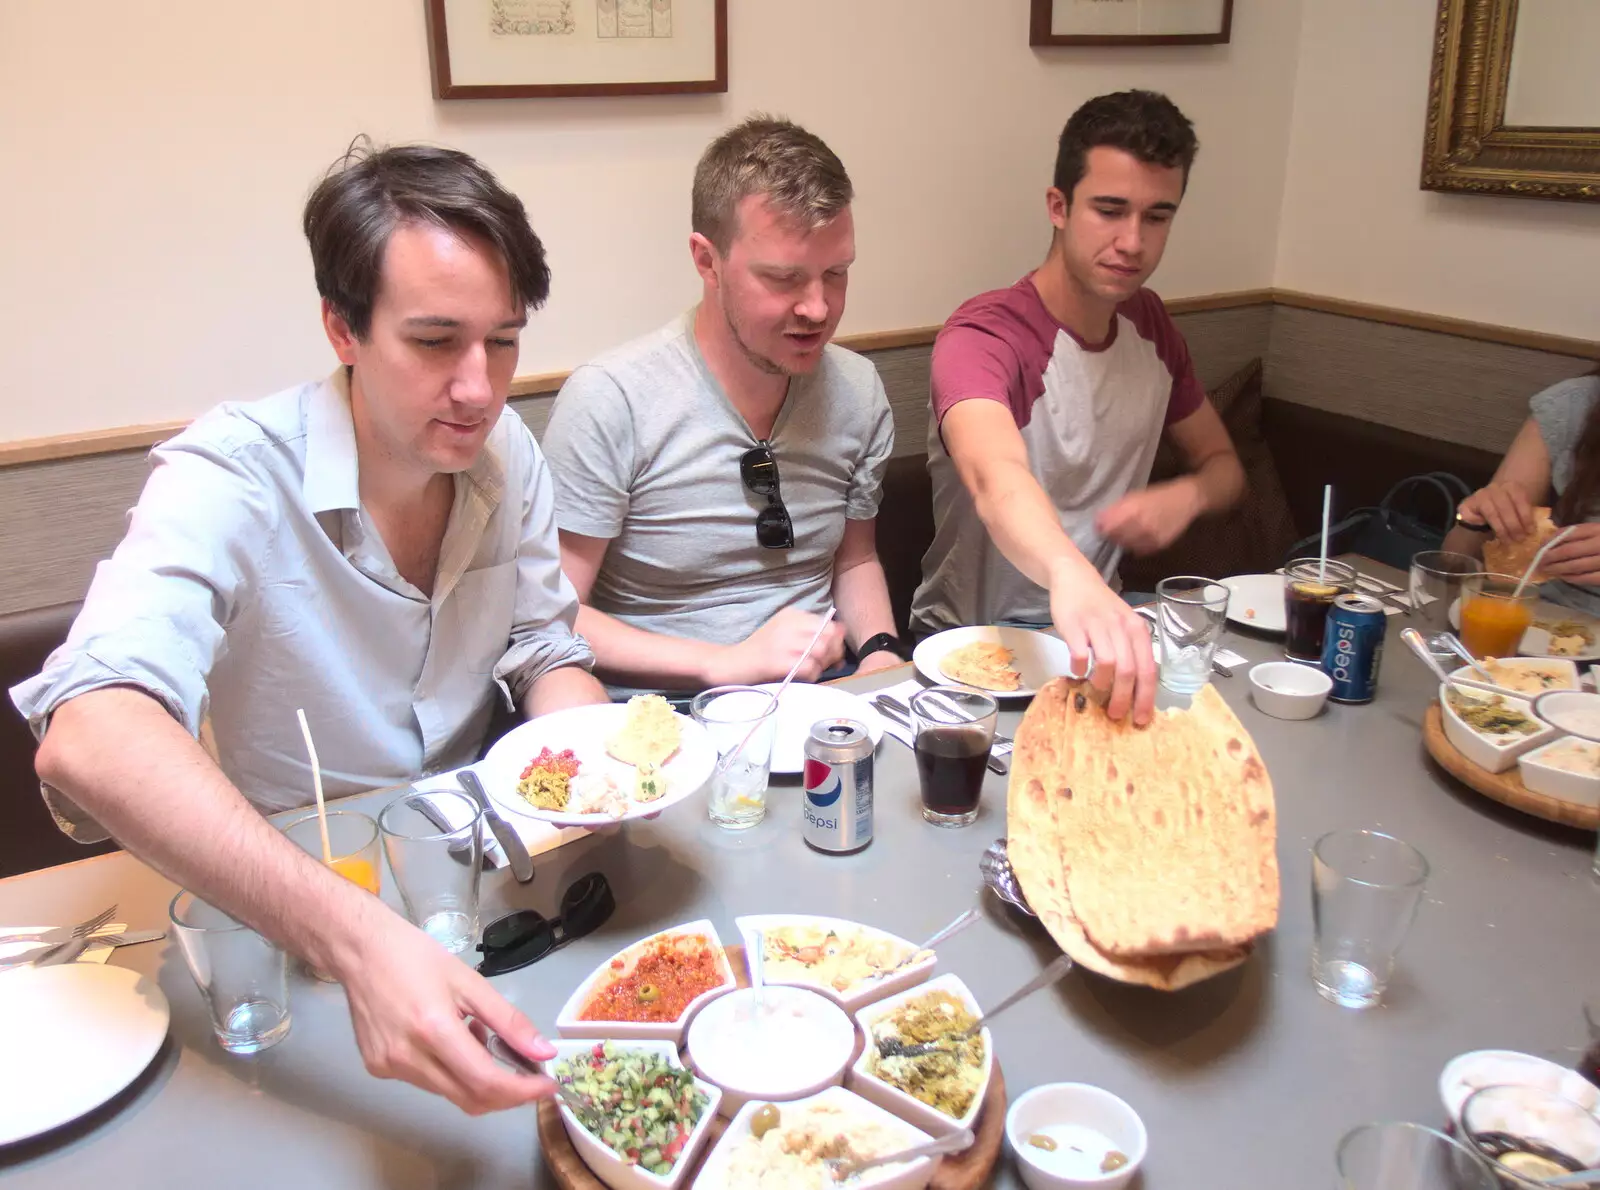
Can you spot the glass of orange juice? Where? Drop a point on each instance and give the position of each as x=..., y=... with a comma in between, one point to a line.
x=353, y=842
x=1493, y=617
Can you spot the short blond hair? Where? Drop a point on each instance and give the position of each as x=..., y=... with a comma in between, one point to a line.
x=799, y=175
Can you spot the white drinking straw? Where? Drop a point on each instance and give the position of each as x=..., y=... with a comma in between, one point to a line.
x=727, y=761
x=1327, y=507
x=1539, y=557
x=316, y=783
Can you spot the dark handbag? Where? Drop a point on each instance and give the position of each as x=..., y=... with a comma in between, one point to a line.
x=1407, y=521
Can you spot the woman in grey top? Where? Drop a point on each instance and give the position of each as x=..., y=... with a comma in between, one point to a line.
x=1553, y=461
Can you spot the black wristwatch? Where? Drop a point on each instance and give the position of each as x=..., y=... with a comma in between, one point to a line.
x=880, y=642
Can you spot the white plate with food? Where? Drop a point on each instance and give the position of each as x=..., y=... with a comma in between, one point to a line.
x=586, y=766
x=74, y=1036
x=1567, y=769
x=650, y=990
x=850, y=963
x=1002, y=662
x=802, y=705
x=1556, y=631
x=1256, y=601
x=1466, y=1073
x=1524, y=677
x=1489, y=729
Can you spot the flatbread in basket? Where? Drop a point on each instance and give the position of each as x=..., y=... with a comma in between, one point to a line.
x=1150, y=854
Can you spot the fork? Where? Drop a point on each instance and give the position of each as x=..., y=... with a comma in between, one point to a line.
x=62, y=934
x=995, y=764
x=843, y=1168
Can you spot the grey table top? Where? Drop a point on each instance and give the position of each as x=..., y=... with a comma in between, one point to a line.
x=1246, y=1080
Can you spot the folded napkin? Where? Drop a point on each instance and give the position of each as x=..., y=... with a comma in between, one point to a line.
x=538, y=836
x=902, y=693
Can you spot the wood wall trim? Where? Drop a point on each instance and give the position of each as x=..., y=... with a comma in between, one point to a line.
x=142, y=437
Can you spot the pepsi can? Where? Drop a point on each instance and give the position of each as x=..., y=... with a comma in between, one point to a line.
x=1352, y=647
x=838, y=794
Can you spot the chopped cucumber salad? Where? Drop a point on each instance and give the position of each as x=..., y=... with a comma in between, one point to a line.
x=645, y=1106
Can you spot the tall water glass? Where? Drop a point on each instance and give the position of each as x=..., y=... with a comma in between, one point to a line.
x=1439, y=578
x=437, y=869
x=1190, y=615
x=1408, y=1157
x=243, y=978
x=741, y=721
x=1365, y=889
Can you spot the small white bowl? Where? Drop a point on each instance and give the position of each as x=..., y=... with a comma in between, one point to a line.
x=869, y=1086
x=914, y=1175
x=1579, y=789
x=866, y=992
x=1286, y=690
x=1563, y=672
x=611, y=1169
x=809, y=1040
x=1469, y=1072
x=1085, y=1106
x=1569, y=711
x=568, y=1024
x=1485, y=751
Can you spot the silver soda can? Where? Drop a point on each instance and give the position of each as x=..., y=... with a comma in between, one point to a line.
x=838, y=795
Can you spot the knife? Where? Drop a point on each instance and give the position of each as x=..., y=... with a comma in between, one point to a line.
x=516, y=854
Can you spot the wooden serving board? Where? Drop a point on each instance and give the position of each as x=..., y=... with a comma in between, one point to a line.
x=1507, y=787
x=963, y=1171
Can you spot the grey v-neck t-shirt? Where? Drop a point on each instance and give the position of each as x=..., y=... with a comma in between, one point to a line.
x=644, y=447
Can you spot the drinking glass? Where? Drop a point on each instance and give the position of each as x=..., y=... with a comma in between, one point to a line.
x=1408, y=1157
x=1504, y=1119
x=437, y=869
x=1190, y=615
x=741, y=721
x=353, y=845
x=1589, y=1064
x=1439, y=579
x=954, y=729
x=243, y=978
x=1494, y=617
x=1310, y=586
x=1365, y=889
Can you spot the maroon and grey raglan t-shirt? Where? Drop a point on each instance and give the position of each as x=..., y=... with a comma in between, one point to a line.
x=1091, y=416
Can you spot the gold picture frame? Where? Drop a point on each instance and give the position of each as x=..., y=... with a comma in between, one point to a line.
x=1468, y=147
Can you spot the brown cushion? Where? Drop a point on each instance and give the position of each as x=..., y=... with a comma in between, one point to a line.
x=1252, y=536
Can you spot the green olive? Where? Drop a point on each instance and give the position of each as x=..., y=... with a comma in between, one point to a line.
x=1040, y=1141
x=649, y=992
x=765, y=1119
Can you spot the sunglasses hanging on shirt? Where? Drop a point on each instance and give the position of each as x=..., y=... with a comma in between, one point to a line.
x=758, y=469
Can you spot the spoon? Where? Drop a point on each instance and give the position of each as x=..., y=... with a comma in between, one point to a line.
x=1417, y=645
x=893, y=1048
x=587, y=1115
x=758, y=966
x=961, y=922
x=847, y=1167
x=1583, y=1177
x=1000, y=878
x=1452, y=642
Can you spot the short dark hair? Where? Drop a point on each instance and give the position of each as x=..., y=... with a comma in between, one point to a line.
x=1144, y=123
x=800, y=176
x=370, y=191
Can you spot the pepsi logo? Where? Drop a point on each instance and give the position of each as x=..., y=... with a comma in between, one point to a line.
x=822, y=786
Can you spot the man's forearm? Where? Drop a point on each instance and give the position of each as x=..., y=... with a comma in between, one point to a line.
x=861, y=594
x=631, y=656
x=1027, y=531
x=567, y=686
x=1219, y=483
x=120, y=757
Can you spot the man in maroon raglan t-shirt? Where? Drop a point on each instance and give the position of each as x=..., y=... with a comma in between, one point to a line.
x=1050, y=398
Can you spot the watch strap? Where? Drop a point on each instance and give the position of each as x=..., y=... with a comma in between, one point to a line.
x=880, y=642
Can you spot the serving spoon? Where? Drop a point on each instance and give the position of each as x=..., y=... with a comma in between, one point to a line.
x=890, y=1047
x=843, y=1168
x=961, y=922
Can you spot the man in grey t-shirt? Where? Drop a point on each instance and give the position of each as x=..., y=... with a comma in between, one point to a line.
x=717, y=481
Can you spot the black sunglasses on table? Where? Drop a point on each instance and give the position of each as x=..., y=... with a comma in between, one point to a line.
x=517, y=939
x=758, y=469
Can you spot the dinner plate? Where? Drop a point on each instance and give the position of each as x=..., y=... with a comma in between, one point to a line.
x=802, y=705
x=74, y=1036
x=1535, y=641
x=585, y=731
x=1039, y=656
x=1256, y=601
x=868, y=991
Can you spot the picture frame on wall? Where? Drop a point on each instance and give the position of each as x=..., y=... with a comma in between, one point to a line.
x=1130, y=22
x=535, y=49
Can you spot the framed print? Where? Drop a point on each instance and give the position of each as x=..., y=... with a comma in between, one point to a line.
x=529, y=49
x=1130, y=22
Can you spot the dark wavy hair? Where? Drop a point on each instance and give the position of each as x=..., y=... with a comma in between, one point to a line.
x=1144, y=123
x=369, y=192
x=1579, y=499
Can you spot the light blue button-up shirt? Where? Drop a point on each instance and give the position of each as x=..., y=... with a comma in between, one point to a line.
x=251, y=583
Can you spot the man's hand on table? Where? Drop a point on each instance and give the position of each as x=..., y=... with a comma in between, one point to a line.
x=1089, y=615
x=410, y=1003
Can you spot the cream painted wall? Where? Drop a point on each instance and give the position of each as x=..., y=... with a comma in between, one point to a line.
x=1355, y=224
x=156, y=154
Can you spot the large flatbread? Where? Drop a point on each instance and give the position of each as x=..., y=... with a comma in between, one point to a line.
x=1061, y=769
x=1513, y=557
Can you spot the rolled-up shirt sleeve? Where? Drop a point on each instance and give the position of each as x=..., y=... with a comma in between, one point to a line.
x=543, y=626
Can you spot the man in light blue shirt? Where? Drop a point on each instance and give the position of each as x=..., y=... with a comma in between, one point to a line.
x=379, y=549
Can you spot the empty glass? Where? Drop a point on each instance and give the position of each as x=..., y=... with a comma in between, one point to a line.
x=741, y=721
x=1365, y=889
x=1190, y=615
x=243, y=978
x=436, y=868
x=1408, y=1157
x=1438, y=578
x=954, y=730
